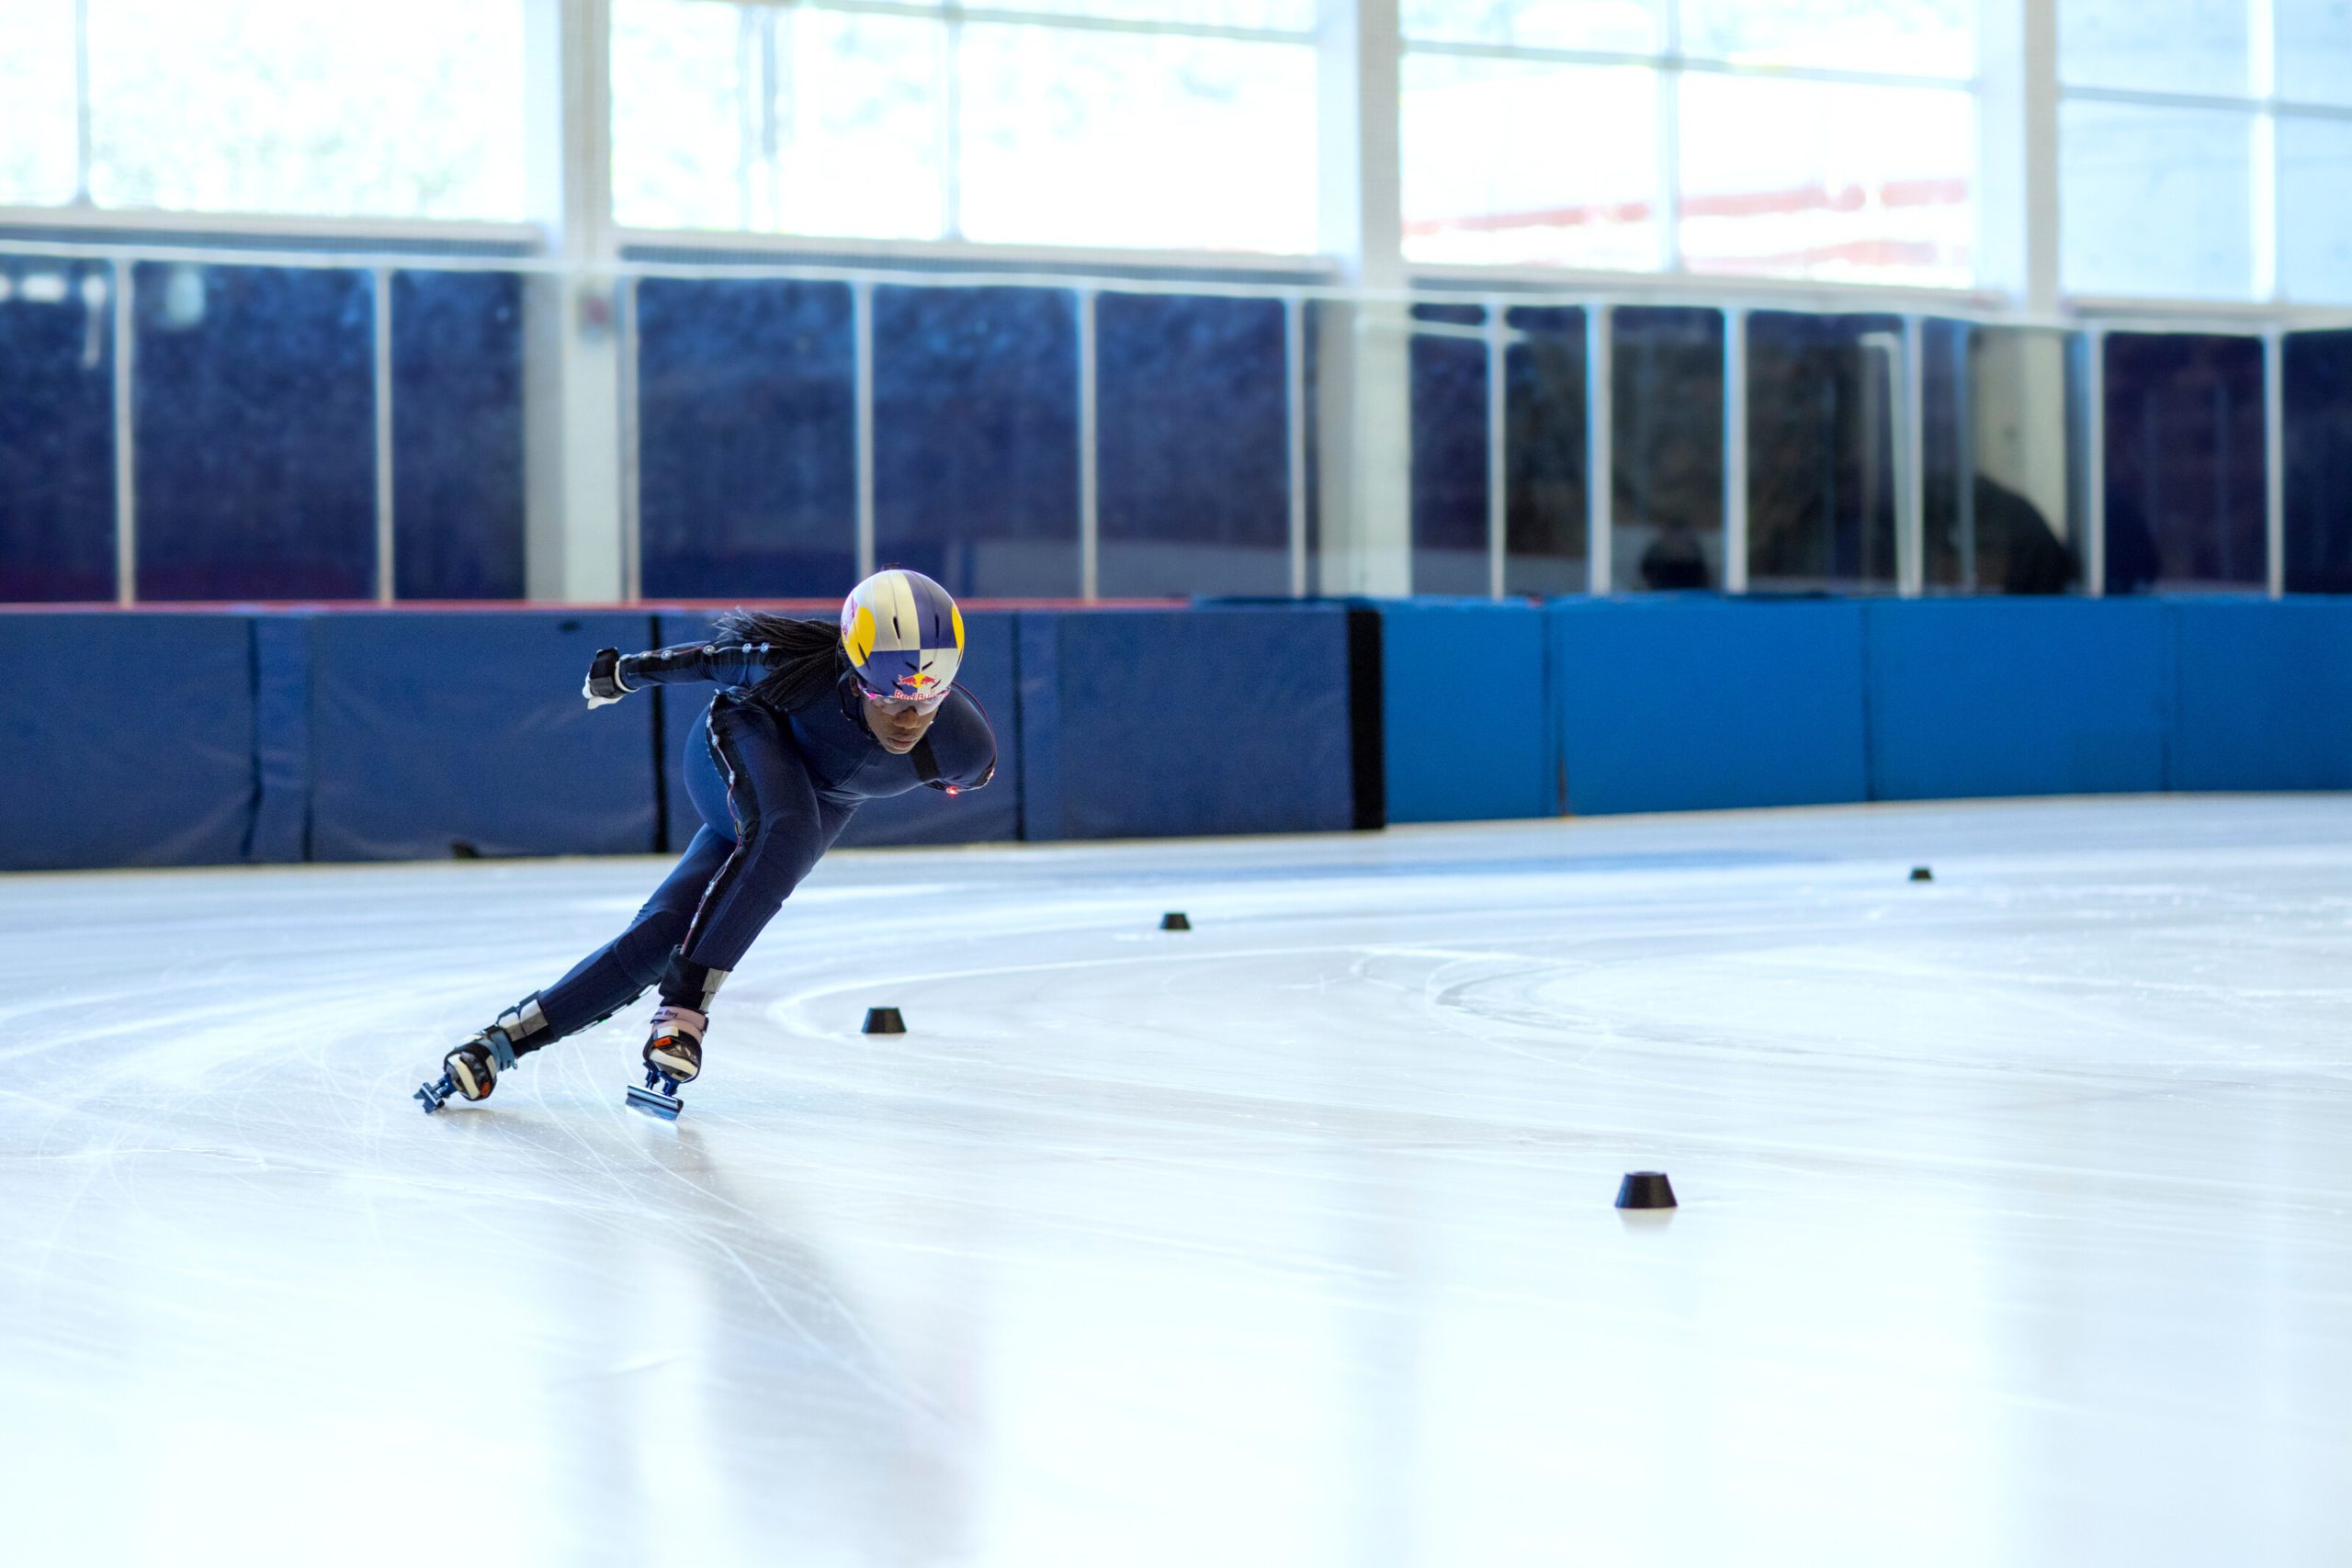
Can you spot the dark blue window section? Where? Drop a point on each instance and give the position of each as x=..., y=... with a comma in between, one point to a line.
x=976, y=437
x=1950, y=561
x=1667, y=447
x=1821, y=450
x=56, y=431
x=2318, y=373
x=747, y=439
x=1192, y=453
x=1450, y=446
x=253, y=408
x=2185, y=483
x=1545, y=455
x=457, y=434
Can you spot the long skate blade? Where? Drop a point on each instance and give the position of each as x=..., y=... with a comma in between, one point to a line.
x=653, y=1103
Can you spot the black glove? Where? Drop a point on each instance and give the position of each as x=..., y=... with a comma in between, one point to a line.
x=604, y=682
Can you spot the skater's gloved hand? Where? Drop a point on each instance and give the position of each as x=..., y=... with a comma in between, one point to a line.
x=604, y=682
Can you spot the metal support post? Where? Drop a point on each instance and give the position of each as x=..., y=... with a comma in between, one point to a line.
x=380, y=281
x=1599, y=450
x=1498, y=453
x=1735, y=450
x=1090, y=520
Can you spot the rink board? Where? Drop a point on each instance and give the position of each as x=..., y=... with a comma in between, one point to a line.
x=1697, y=703
x=1465, y=707
x=2019, y=696
x=187, y=738
x=125, y=739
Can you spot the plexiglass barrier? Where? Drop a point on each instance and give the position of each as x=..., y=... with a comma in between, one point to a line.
x=201, y=426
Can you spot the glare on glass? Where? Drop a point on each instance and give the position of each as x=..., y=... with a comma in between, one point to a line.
x=1901, y=38
x=1073, y=136
x=778, y=120
x=2155, y=202
x=1272, y=15
x=267, y=106
x=2314, y=50
x=1624, y=27
x=38, y=148
x=1530, y=161
x=677, y=115
x=1828, y=180
x=2315, y=210
x=2177, y=46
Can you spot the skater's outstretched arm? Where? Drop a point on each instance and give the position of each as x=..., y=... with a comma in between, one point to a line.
x=613, y=676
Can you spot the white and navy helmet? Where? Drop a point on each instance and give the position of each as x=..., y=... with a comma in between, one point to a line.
x=904, y=638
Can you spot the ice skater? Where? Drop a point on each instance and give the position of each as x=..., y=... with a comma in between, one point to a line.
x=808, y=722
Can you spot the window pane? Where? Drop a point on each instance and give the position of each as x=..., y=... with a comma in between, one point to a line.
x=677, y=115
x=1667, y=447
x=797, y=120
x=2185, y=492
x=1193, y=446
x=1471, y=191
x=56, y=430
x=265, y=105
x=976, y=437
x=1278, y=15
x=1821, y=450
x=2178, y=46
x=1624, y=27
x=1999, y=514
x=255, y=415
x=1907, y=38
x=2314, y=50
x=2315, y=210
x=36, y=155
x=457, y=434
x=746, y=477
x=1449, y=454
x=2155, y=201
x=2319, y=462
x=1811, y=179
x=1089, y=138
x=1544, y=425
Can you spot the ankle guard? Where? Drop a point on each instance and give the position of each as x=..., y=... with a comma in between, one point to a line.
x=685, y=984
x=520, y=1030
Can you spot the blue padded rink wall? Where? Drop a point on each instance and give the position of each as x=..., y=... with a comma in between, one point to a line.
x=2013, y=1203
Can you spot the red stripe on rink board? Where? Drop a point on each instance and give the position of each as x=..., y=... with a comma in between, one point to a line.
x=1815, y=198
x=507, y=607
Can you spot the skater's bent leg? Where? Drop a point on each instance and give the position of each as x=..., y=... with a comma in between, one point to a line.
x=618, y=972
x=781, y=828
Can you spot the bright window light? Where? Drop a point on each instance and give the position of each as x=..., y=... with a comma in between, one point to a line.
x=278, y=106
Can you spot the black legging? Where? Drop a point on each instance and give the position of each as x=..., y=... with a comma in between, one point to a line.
x=764, y=827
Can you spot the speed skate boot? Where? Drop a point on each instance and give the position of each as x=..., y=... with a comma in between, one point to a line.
x=673, y=1057
x=471, y=1070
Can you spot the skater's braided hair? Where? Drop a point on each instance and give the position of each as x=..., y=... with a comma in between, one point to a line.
x=815, y=660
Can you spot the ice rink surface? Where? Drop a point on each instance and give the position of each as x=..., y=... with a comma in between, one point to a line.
x=2016, y=1222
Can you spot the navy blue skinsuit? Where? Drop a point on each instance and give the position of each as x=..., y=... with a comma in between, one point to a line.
x=775, y=790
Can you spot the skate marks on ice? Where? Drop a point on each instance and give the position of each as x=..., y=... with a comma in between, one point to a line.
x=2012, y=1227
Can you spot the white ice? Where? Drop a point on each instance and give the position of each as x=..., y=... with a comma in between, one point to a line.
x=2016, y=1222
